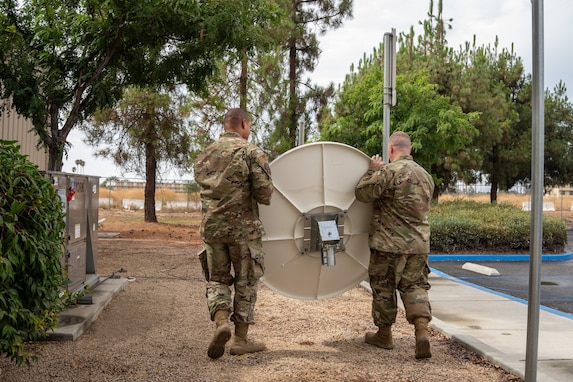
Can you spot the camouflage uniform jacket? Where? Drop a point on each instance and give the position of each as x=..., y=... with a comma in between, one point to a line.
x=400, y=193
x=234, y=176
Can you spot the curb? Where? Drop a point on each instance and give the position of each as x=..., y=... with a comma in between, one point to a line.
x=497, y=257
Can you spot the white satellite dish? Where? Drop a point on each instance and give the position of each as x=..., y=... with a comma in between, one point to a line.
x=316, y=232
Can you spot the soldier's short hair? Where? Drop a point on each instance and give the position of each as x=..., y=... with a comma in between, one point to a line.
x=235, y=116
x=401, y=141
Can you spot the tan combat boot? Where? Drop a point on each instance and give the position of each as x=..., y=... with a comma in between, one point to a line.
x=221, y=336
x=422, y=338
x=240, y=344
x=382, y=338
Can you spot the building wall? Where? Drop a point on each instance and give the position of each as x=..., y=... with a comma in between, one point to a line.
x=14, y=127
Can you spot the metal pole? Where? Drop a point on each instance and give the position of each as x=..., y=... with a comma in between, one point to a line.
x=188, y=187
x=389, y=80
x=561, y=202
x=537, y=163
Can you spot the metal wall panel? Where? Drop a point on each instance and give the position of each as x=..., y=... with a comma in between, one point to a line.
x=14, y=127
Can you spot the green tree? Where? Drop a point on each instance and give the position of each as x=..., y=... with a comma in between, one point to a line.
x=270, y=82
x=491, y=85
x=352, y=108
x=493, y=91
x=558, y=137
x=430, y=52
x=491, y=81
x=60, y=61
x=265, y=86
x=146, y=128
x=482, y=80
x=31, y=249
x=496, y=85
x=440, y=130
x=301, y=52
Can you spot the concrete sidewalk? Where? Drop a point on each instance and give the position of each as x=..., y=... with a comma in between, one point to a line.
x=76, y=319
x=494, y=325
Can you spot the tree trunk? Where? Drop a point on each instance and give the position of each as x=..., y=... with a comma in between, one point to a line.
x=55, y=156
x=436, y=194
x=243, y=81
x=494, y=177
x=149, y=195
x=293, y=101
x=55, y=146
x=493, y=191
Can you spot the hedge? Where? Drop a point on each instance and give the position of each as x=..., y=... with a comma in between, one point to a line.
x=468, y=226
x=31, y=249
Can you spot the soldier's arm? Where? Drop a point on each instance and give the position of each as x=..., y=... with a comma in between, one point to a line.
x=372, y=184
x=261, y=180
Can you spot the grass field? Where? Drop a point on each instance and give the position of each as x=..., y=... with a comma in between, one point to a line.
x=163, y=194
x=561, y=203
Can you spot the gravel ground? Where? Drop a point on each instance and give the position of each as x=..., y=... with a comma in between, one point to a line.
x=158, y=329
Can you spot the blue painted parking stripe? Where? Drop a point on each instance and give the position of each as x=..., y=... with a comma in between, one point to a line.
x=498, y=257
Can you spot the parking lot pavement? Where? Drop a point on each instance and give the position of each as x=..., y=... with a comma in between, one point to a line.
x=556, y=285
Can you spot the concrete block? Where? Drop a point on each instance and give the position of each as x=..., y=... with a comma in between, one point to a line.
x=480, y=269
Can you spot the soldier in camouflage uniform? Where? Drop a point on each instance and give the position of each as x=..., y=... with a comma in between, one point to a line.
x=399, y=241
x=234, y=176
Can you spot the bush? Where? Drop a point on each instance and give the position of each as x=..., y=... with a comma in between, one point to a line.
x=464, y=226
x=31, y=248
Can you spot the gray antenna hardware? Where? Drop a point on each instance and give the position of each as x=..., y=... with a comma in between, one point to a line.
x=316, y=232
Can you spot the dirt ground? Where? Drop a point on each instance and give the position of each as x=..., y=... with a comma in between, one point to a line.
x=158, y=329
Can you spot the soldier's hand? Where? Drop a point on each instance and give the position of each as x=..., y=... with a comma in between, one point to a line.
x=376, y=162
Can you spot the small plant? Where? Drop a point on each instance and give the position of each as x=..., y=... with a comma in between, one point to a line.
x=31, y=248
x=68, y=298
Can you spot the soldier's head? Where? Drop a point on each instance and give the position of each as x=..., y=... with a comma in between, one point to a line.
x=238, y=121
x=399, y=144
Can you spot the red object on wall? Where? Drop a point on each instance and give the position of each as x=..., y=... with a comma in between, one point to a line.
x=71, y=194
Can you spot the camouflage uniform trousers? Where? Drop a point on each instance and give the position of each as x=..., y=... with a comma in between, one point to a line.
x=246, y=259
x=407, y=274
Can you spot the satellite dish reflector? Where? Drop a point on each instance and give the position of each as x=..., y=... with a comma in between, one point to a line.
x=316, y=232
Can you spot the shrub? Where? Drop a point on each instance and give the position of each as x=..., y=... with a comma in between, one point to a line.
x=462, y=226
x=31, y=247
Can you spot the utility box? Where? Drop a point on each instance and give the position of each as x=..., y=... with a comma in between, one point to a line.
x=92, y=196
x=79, y=195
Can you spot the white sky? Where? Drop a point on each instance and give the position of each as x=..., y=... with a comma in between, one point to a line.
x=509, y=20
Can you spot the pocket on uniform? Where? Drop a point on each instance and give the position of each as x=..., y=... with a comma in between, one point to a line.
x=258, y=257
